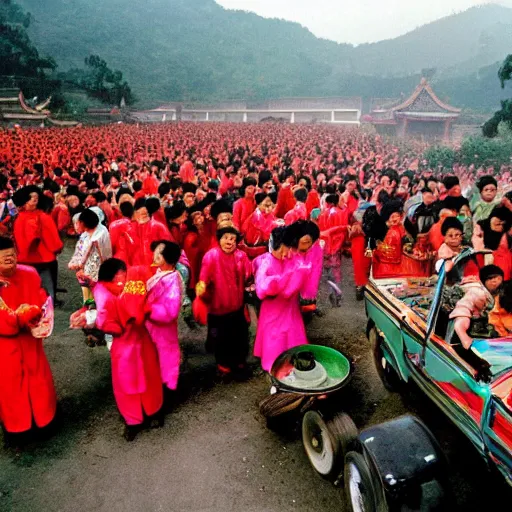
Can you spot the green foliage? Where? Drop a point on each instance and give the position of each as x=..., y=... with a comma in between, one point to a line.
x=21, y=65
x=18, y=56
x=100, y=82
x=505, y=72
x=485, y=151
x=477, y=150
x=195, y=50
x=440, y=155
x=503, y=116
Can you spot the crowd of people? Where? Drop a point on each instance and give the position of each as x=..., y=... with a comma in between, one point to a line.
x=207, y=220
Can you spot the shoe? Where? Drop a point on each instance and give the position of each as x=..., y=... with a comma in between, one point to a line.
x=224, y=374
x=359, y=293
x=191, y=323
x=130, y=432
x=157, y=420
x=242, y=373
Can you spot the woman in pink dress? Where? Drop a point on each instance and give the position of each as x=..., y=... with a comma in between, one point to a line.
x=121, y=304
x=164, y=302
x=279, y=279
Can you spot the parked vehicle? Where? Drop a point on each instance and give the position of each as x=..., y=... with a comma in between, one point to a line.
x=409, y=331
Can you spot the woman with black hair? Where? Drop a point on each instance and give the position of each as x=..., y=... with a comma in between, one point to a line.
x=164, y=303
x=280, y=278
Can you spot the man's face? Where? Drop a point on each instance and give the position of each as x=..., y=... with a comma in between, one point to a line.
x=493, y=283
x=228, y=243
x=141, y=216
x=32, y=202
x=90, y=201
x=197, y=219
x=266, y=206
x=305, y=243
x=428, y=198
x=189, y=199
x=8, y=262
x=250, y=190
x=224, y=218
x=158, y=259
x=404, y=181
x=456, y=191
x=497, y=225
x=489, y=193
x=351, y=186
x=114, y=183
x=395, y=219
x=73, y=201
x=453, y=238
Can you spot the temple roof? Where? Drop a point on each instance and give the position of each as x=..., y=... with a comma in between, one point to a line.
x=423, y=99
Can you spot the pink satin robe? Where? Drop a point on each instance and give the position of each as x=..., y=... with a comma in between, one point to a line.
x=315, y=258
x=298, y=212
x=164, y=302
x=280, y=324
x=135, y=369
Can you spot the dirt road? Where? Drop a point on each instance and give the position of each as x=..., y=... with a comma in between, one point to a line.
x=214, y=453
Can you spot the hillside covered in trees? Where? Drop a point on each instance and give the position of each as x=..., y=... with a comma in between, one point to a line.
x=195, y=50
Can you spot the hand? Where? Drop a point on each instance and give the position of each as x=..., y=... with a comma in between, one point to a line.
x=200, y=288
x=28, y=315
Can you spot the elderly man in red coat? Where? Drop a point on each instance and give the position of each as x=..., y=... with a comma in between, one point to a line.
x=27, y=394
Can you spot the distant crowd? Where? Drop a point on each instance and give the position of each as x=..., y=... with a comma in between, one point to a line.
x=202, y=220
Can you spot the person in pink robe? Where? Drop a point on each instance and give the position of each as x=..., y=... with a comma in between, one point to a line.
x=122, y=311
x=164, y=303
x=299, y=211
x=279, y=281
x=310, y=248
x=135, y=242
x=243, y=208
x=225, y=274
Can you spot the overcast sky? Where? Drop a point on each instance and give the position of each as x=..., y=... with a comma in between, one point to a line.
x=357, y=21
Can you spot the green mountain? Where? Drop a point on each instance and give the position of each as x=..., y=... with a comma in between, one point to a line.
x=195, y=50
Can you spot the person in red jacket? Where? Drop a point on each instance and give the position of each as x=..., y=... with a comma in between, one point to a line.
x=243, y=208
x=36, y=236
x=27, y=393
x=135, y=242
x=176, y=216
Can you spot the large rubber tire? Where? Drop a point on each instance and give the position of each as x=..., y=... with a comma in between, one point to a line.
x=322, y=448
x=359, y=484
x=344, y=431
x=388, y=375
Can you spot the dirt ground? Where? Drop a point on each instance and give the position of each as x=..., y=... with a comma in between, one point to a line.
x=214, y=452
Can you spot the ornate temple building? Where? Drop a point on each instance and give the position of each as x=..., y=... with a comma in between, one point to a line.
x=423, y=114
x=14, y=109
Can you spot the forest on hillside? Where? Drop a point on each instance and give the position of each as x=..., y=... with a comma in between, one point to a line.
x=195, y=50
